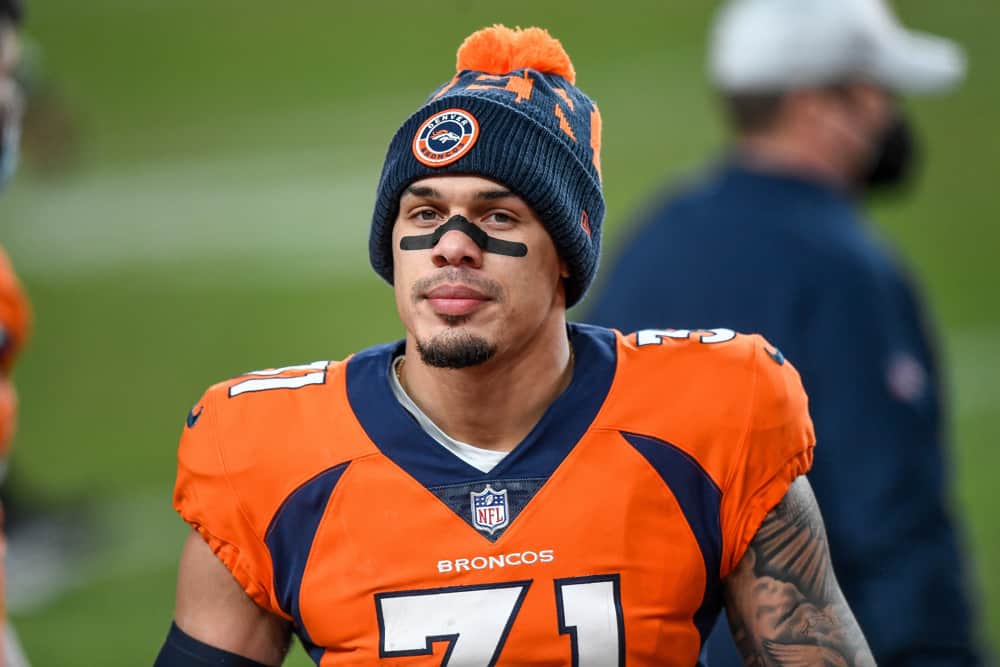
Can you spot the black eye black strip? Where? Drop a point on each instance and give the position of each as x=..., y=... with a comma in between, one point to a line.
x=481, y=239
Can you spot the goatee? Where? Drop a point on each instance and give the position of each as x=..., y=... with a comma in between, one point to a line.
x=455, y=350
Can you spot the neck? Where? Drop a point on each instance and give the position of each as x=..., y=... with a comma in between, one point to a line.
x=496, y=404
x=777, y=152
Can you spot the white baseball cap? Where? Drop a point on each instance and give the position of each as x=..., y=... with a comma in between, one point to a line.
x=774, y=45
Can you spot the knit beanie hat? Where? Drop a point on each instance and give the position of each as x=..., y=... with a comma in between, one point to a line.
x=511, y=114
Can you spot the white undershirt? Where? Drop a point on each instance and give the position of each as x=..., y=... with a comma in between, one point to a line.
x=483, y=460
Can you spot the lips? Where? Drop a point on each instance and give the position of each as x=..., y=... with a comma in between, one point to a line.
x=456, y=300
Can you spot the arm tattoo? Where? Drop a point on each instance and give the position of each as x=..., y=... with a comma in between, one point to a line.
x=783, y=601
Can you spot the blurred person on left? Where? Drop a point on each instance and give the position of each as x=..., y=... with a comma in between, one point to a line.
x=14, y=309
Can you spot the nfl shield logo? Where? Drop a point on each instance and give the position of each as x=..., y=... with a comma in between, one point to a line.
x=489, y=509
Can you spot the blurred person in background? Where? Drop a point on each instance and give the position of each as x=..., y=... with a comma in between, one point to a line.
x=774, y=240
x=14, y=309
x=40, y=133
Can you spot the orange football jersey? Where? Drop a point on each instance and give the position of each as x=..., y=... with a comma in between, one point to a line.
x=601, y=539
x=15, y=319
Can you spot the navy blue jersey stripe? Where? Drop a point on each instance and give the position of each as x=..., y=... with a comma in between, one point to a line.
x=289, y=540
x=700, y=500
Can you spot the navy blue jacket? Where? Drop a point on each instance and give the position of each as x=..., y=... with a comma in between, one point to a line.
x=793, y=259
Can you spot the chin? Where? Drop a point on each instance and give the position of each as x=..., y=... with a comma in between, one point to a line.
x=455, y=348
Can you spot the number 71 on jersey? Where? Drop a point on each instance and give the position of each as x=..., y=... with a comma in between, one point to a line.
x=475, y=621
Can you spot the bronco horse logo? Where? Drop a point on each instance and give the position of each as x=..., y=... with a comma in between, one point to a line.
x=445, y=135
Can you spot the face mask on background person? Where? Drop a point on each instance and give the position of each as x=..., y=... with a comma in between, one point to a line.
x=894, y=158
x=893, y=149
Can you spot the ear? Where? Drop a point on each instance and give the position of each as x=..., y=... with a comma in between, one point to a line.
x=563, y=269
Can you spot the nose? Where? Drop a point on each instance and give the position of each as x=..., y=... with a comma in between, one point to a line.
x=456, y=248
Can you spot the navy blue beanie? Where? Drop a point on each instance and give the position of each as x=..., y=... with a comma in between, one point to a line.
x=511, y=114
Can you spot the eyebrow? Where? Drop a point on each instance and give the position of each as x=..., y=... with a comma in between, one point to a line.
x=494, y=194
x=423, y=191
x=430, y=193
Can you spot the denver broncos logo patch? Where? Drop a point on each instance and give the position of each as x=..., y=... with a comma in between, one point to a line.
x=445, y=137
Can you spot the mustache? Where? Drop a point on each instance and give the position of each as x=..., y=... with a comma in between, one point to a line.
x=456, y=276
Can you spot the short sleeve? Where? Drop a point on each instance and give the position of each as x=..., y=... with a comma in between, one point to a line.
x=206, y=498
x=776, y=449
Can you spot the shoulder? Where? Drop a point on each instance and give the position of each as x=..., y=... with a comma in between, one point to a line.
x=706, y=391
x=712, y=373
x=273, y=415
x=848, y=279
x=261, y=387
x=687, y=197
x=719, y=362
x=840, y=246
x=247, y=445
x=733, y=404
x=665, y=355
x=257, y=437
x=266, y=390
x=248, y=416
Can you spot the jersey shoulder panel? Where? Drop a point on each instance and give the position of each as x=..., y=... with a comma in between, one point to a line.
x=732, y=403
x=248, y=444
x=280, y=419
x=690, y=387
x=273, y=414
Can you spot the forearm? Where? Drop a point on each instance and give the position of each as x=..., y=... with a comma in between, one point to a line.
x=783, y=601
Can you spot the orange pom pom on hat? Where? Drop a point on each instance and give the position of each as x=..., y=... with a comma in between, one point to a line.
x=513, y=114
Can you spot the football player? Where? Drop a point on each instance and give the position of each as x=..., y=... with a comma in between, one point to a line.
x=14, y=310
x=500, y=486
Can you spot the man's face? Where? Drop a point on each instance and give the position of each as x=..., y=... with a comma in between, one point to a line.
x=859, y=116
x=460, y=303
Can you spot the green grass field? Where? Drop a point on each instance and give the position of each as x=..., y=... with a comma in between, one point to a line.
x=217, y=222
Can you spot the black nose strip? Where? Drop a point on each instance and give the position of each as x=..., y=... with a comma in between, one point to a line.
x=478, y=236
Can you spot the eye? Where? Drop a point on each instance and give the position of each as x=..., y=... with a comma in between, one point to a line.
x=425, y=215
x=501, y=219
